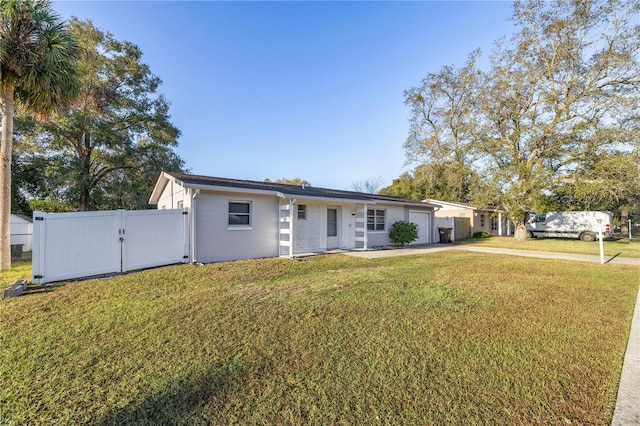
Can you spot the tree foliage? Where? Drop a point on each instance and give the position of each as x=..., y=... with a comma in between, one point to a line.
x=37, y=74
x=295, y=181
x=112, y=142
x=406, y=186
x=564, y=90
x=368, y=186
x=436, y=180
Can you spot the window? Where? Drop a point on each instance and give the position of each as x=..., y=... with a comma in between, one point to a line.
x=494, y=223
x=541, y=217
x=375, y=220
x=302, y=211
x=239, y=213
x=481, y=220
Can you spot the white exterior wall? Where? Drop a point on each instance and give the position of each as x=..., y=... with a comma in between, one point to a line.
x=21, y=232
x=307, y=231
x=172, y=195
x=216, y=241
x=393, y=214
x=310, y=235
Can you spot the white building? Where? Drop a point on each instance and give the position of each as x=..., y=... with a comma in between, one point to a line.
x=234, y=219
x=21, y=231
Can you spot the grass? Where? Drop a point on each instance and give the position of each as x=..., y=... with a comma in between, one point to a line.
x=453, y=338
x=20, y=270
x=614, y=246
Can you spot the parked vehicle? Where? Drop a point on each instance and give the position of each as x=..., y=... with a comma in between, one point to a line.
x=582, y=225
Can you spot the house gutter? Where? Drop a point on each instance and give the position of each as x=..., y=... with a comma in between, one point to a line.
x=192, y=225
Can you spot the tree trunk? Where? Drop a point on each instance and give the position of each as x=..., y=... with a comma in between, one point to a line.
x=624, y=221
x=84, y=154
x=6, y=108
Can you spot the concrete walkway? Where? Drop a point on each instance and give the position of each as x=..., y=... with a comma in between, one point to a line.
x=627, y=411
x=376, y=254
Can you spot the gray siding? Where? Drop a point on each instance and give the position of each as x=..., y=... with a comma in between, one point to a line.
x=217, y=241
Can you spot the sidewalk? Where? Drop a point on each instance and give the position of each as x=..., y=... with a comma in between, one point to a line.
x=627, y=411
x=433, y=248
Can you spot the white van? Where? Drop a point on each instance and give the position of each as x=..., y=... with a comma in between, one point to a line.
x=583, y=225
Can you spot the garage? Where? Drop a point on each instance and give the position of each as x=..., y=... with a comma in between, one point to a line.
x=423, y=220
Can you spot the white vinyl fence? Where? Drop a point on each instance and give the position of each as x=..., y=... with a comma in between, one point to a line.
x=445, y=222
x=83, y=244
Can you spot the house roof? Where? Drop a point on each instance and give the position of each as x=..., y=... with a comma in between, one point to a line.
x=448, y=204
x=23, y=217
x=279, y=189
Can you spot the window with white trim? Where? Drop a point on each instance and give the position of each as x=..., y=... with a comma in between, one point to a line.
x=375, y=220
x=494, y=223
x=239, y=213
x=302, y=211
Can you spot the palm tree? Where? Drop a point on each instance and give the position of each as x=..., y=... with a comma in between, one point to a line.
x=37, y=73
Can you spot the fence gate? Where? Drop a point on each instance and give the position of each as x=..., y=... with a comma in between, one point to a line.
x=84, y=244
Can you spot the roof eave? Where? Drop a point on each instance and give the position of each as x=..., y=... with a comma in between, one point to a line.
x=159, y=187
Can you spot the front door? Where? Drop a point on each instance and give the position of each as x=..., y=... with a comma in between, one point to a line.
x=332, y=228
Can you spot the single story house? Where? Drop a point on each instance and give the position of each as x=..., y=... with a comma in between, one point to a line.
x=233, y=219
x=486, y=219
x=21, y=229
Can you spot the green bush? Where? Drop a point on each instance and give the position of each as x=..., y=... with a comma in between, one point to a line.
x=481, y=234
x=403, y=232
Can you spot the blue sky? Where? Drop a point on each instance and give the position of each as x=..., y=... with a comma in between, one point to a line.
x=296, y=89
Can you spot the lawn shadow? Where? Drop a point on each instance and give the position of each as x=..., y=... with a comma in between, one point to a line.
x=181, y=398
x=38, y=289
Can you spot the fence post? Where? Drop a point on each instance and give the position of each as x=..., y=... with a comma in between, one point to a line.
x=186, y=235
x=37, y=249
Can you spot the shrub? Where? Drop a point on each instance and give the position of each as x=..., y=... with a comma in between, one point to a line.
x=481, y=234
x=403, y=232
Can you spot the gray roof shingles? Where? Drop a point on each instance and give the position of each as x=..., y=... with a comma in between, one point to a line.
x=295, y=190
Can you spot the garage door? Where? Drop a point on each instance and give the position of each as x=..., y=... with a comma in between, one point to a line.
x=423, y=220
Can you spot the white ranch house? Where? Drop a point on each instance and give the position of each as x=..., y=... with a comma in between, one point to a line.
x=234, y=219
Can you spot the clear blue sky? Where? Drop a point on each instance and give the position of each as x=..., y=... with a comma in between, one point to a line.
x=296, y=89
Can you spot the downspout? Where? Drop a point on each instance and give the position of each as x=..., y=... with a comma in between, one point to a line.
x=192, y=227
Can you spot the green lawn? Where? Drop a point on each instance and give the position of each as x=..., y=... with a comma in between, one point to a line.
x=619, y=246
x=20, y=270
x=443, y=338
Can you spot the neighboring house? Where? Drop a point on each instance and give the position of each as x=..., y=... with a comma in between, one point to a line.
x=21, y=231
x=239, y=219
x=481, y=219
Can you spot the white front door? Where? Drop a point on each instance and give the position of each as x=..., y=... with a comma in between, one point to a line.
x=423, y=220
x=333, y=240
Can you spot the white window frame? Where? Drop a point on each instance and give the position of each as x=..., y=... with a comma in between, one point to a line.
x=235, y=227
x=302, y=208
x=376, y=216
